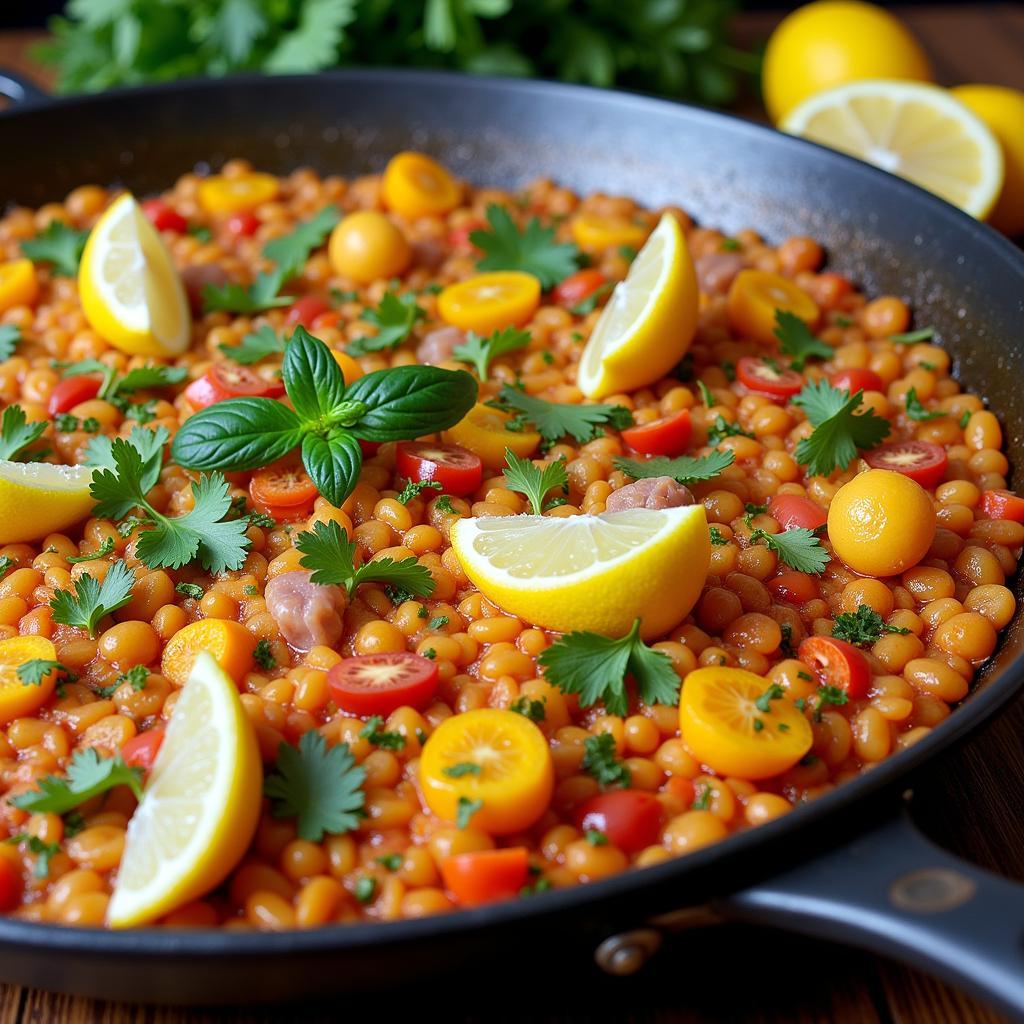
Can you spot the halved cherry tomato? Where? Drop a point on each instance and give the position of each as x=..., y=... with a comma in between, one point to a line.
x=67, y=393
x=376, y=684
x=793, y=587
x=768, y=377
x=924, y=462
x=245, y=225
x=1002, y=505
x=228, y=380
x=368, y=448
x=163, y=217
x=484, y=876
x=284, y=485
x=458, y=470
x=854, y=380
x=10, y=885
x=630, y=818
x=837, y=663
x=791, y=511
x=305, y=310
x=140, y=751
x=668, y=436
x=576, y=287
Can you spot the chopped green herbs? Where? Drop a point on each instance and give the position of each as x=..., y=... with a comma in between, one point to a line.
x=916, y=411
x=375, y=733
x=601, y=760
x=466, y=809
x=863, y=627
x=414, y=488
x=457, y=771
x=263, y=655
x=913, y=337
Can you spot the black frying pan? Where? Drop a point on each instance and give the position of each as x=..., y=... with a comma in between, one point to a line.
x=849, y=866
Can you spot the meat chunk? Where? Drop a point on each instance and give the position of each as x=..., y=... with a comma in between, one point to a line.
x=308, y=614
x=196, y=278
x=717, y=270
x=429, y=253
x=656, y=492
x=438, y=345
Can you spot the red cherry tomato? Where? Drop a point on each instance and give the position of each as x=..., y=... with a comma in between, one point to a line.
x=791, y=511
x=768, y=377
x=369, y=448
x=67, y=393
x=793, y=587
x=667, y=436
x=228, y=380
x=854, y=380
x=630, y=818
x=837, y=663
x=283, y=485
x=456, y=469
x=377, y=684
x=829, y=289
x=10, y=885
x=1002, y=505
x=140, y=751
x=243, y=224
x=305, y=310
x=163, y=217
x=484, y=876
x=920, y=460
x=579, y=286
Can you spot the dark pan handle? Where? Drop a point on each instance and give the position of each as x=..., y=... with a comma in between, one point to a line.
x=21, y=91
x=893, y=891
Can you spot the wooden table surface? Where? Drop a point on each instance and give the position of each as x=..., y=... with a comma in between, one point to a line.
x=971, y=804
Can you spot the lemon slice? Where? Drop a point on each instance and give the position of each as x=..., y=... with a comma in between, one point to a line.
x=917, y=131
x=37, y=498
x=200, y=807
x=131, y=293
x=598, y=573
x=648, y=323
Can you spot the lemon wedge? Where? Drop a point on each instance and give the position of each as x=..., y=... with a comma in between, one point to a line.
x=37, y=498
x=597, y=573
x=649, y=321
x=201, y=804
x=920, y=132
x=131, y=293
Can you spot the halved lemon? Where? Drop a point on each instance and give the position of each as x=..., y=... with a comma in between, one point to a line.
x=598, y=573
x=37, y=498
x=131, y=292
x=649, y=321
x=201, y=804
x=918, y=131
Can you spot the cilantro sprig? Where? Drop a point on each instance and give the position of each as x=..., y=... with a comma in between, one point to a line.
x=34, y=671
x=601, y=760
x=532, y=250
x=839, y=431
x=797, y=341
x=863, y=627
x=394, y=318
x=88, y=775
x=59, y=245
x=480, y=352
x=523, y=476
x=555, y=420
x=10, y=335
x=91, y=600
x=799, y=548
x=916, y=411
x=685, y=469
x=256, y=345
x=16, y=433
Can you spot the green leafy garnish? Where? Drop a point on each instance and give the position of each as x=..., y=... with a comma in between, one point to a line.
x=16, y=433
x=531, y=709
x=717, y=540
x=34, y=671
x=685, y=469
x=466, y=809
x=91, y=600
x=414, y=488
x=291, y=251
x=826, y=695
x=797, y=341
x=116, y=389
x=137, y=677
x=523, y=476
x=319, y=786
x=916, y=411
x=586, y=306
x=479, y=352
x=365, y=889
x=263, y=655
x=101, y=552
x=965, y=418
x=555, y=420
x=391, y=861
x=722, y=428
x=913, y=337
x=376, y=734
x=702, y=799
x=601, y=760
x=863, y=627
x=394, y=318
x=438, y=622
x=10, y=335
x=705, y=394
x=764, y=702
x=838, y=431
x=595, y=837
x=87, y=776
x=456, y=771
x=59, y=245
x=799, y=548
x=444, y=504
x=191, y=590
x=43, y=852
x=256, y=345
x=533, y=251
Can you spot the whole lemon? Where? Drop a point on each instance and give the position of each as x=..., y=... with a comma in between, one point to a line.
x=1002, y=109
x=833, y=42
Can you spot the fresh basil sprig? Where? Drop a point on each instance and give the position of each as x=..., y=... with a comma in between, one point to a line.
x=328, y=418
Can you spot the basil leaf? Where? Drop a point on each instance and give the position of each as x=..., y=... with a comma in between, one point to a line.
x=333, y=464
x=312, y=377
x=238, y=433
x=409, y=401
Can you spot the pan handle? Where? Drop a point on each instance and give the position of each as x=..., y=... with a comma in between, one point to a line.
x=893, y=891
x=21, y=91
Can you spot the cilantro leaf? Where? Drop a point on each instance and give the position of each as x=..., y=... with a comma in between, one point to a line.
x=291, y=251
x=92, y=600
x=88, y=775
x=256, y=345
x=263, y=655
x=413, y=488
x=797, y=341
x=555, y=420
x=479, y=352
x=838, y=431
x=916, y=411
x=523, y=476
x=16, y=434
x=10, y=335
x=722, y=428
x=466, y=809
x=34, y=671
x=600, y=760
x=834, y=695
x=59, y=245
x=376, y=734
x=863, y=627
x=261, y=295
x=143, y=378
x=394, y=318
x=532, y=709
x=685, y=469
x=913, y=337
x=534, y=250
x=586, y=306
x=596, y=666
x=320, y=786
x=799, y=548
x=101, y=552
x=328, y=552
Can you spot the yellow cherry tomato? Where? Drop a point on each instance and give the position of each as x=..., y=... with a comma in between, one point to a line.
x=881, y=523
x=236, y=195
x=490, y=302
x=415, y=186
x=366, y=247
x=756, y=296
x=724, y=728
x=598, y=234
x=349, y=367
x=507, y=776
x=18, y=697
x=485, y=431
x=18, y=285
x=229, y=643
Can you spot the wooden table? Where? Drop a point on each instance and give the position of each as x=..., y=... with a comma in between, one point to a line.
x=972, y=805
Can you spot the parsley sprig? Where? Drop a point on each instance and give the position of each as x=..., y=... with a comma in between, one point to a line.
x=839, y=431
x=256, y=345
x=555, y=420
x=533, y=250
x=799, y=548
x=685, y=469
x=863, y=627
x=797, y=341
x=523, y=476
x=394, y=318
x=87, y=776
x=16, y=433
x=59, y=245
x=479, y=352
x=91, y=600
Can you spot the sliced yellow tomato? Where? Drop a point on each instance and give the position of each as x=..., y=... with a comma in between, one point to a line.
x=18, y=698
x=219, y=194
x=756, y=296
x=349, y=367
x=485, y=431
x=490, y=302
x=18, y=285
x=489, y=766
x=598, y=234
x=723, y=726
x=229, y=642
x=366, y=247
x=415, y=185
